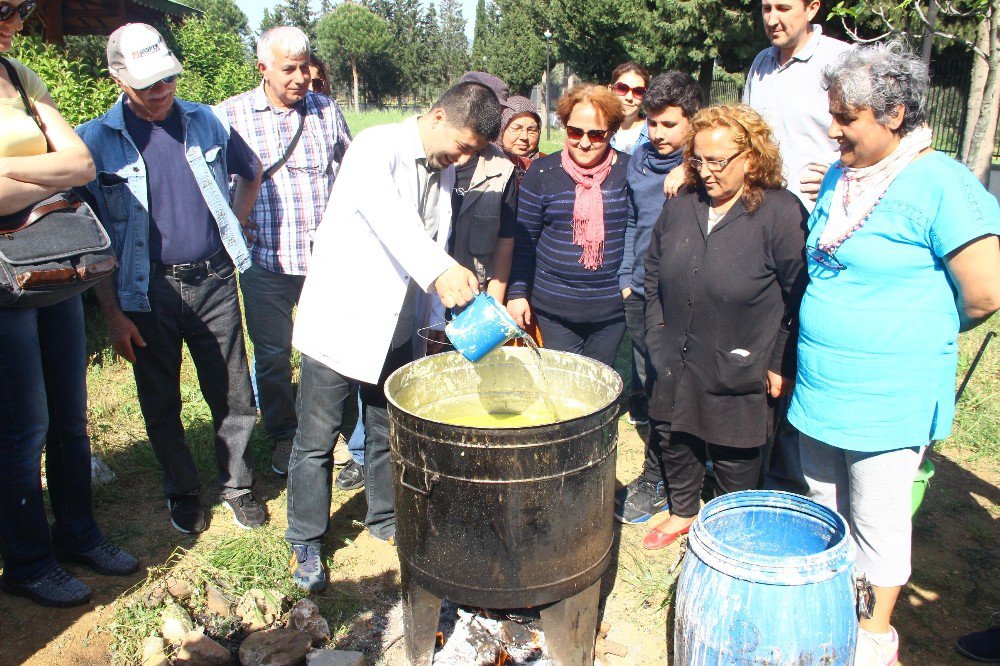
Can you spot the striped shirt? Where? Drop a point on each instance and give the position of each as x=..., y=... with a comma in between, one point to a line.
x=547, y=268
x=292, y=201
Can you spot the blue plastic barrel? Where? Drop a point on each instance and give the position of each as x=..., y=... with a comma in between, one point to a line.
x=767, y=580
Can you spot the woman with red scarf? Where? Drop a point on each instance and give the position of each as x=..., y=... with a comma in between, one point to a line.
x=569, y=239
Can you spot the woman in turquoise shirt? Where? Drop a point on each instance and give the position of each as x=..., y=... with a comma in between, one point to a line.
x=903, y=253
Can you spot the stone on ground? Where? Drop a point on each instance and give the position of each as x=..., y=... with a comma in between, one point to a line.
x=275, y=647
x=335, y=658
x=153, y=653
x=217, y=601
x=259, y=609
x=176, y=623
x=179, y=588
x=197, y=649
x=305, y=616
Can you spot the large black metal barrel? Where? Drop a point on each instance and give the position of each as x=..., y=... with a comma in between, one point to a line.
x=504, y=517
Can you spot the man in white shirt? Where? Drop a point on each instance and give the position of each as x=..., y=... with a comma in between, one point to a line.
x=379, y=256
x=785, y=86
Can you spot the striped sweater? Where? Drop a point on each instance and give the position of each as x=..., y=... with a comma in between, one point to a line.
x=547, y=268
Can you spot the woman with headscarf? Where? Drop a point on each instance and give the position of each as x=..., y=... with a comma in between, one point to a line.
x=902, y=254
x=569, y=239
x=520, y=131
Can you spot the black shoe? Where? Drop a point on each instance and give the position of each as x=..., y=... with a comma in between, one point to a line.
x=54, y=588
x=186, y=514
x=639, y=501
x=351, y=477
x=247, y=512
x=104, y=558
x=386, y=533
x=982, y=646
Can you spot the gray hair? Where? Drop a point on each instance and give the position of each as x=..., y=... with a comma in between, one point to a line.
x=284, y=39
x=880, y=77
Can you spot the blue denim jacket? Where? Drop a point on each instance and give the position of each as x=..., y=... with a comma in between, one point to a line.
x=121, y=191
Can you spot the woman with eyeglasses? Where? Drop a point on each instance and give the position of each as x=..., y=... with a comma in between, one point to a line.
x=320, y=80
x=43, y=363
x=629, y=81
x=724, y=276
x=569, y=240
x=902, y=254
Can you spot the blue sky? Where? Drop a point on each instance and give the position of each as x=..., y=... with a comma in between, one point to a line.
x=254, y=9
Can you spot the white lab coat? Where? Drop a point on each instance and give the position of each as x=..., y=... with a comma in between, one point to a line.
x=370, y=244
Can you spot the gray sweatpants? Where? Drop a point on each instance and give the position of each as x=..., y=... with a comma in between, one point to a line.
x=873, y=492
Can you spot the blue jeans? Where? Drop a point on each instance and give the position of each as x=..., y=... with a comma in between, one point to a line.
x=268, y=299
x=43, y=405
x=205, y=314
x=356, y=444
x=323, y=392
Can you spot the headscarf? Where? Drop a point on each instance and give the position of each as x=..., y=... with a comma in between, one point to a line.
x=588, y=207
x=515, y=106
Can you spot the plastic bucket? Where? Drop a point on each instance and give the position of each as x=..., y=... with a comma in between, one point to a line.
x=767, y=580
x=481, y=328
x=920, y=482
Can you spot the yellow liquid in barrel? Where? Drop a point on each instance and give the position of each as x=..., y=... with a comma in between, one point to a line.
x=472, y=411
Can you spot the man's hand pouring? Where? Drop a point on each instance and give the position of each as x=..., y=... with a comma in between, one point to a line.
x=456, y=286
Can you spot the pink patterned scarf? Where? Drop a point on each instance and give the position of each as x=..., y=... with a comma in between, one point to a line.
x=588, y=207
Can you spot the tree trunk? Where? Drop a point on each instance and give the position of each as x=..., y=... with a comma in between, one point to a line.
x=705, y=72
x=985, y=126
x=977, y=84
x=354, y=75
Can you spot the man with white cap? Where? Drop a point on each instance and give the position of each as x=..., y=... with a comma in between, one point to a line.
x=163, y=166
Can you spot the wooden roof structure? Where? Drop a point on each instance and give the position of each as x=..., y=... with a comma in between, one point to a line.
x=62, y=18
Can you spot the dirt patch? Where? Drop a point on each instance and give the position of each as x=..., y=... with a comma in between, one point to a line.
x=952, y=592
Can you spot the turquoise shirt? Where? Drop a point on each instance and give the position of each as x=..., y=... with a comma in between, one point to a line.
x=878, y=340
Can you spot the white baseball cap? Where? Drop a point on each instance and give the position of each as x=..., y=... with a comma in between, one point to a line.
x=138, y=56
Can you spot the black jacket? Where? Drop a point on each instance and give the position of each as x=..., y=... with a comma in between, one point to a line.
x=736, y=289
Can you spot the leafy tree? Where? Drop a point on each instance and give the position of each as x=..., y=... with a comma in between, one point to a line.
x=402, y=69
x=290, y=12
x=81, y=91
x=517, y=50
x=485, y=33
x=215, y=63
x=454, y=48
x=353, y=32
x=227, y=13
x=973, y=24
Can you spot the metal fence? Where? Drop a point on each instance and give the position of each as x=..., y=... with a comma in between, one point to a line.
x=946, y=103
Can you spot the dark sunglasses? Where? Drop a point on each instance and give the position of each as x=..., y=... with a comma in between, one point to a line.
x=623, y=89
x=317, y=85
x=825, y=258
x=595, y=135
x=166, y=79
x=25, y=10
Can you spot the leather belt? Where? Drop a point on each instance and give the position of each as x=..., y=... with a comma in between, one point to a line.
x=195, y=271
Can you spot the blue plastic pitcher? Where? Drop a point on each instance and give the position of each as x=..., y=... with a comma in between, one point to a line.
x=481, y=328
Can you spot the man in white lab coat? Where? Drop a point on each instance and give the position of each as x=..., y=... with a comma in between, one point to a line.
x=380, y=254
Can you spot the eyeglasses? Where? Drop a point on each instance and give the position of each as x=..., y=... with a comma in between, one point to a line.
x=595, y=135
x=824, y=258
x=715, y=166
x=530, y=130
x=317, y=85
x=166, y=79
x=25, y=10
x=623, y=89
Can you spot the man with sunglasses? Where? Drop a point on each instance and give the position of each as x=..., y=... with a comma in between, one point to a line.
x=670, y=103
x=163, y=168
x=300, y=137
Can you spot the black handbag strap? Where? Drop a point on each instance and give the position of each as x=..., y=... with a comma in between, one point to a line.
x=271, y=170
x=29, y=107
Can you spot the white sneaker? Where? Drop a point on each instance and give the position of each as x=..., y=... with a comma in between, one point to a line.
x=341, y=454
x=876, y=649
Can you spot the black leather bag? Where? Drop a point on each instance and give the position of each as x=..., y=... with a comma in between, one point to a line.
x=54, y=249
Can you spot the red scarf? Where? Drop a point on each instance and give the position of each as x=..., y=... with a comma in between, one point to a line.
x=588, y=207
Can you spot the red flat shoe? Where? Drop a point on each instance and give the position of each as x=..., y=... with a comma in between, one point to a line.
x=657, y=538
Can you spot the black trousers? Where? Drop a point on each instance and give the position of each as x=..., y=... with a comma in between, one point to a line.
x=598, y=340
x=681, y=458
